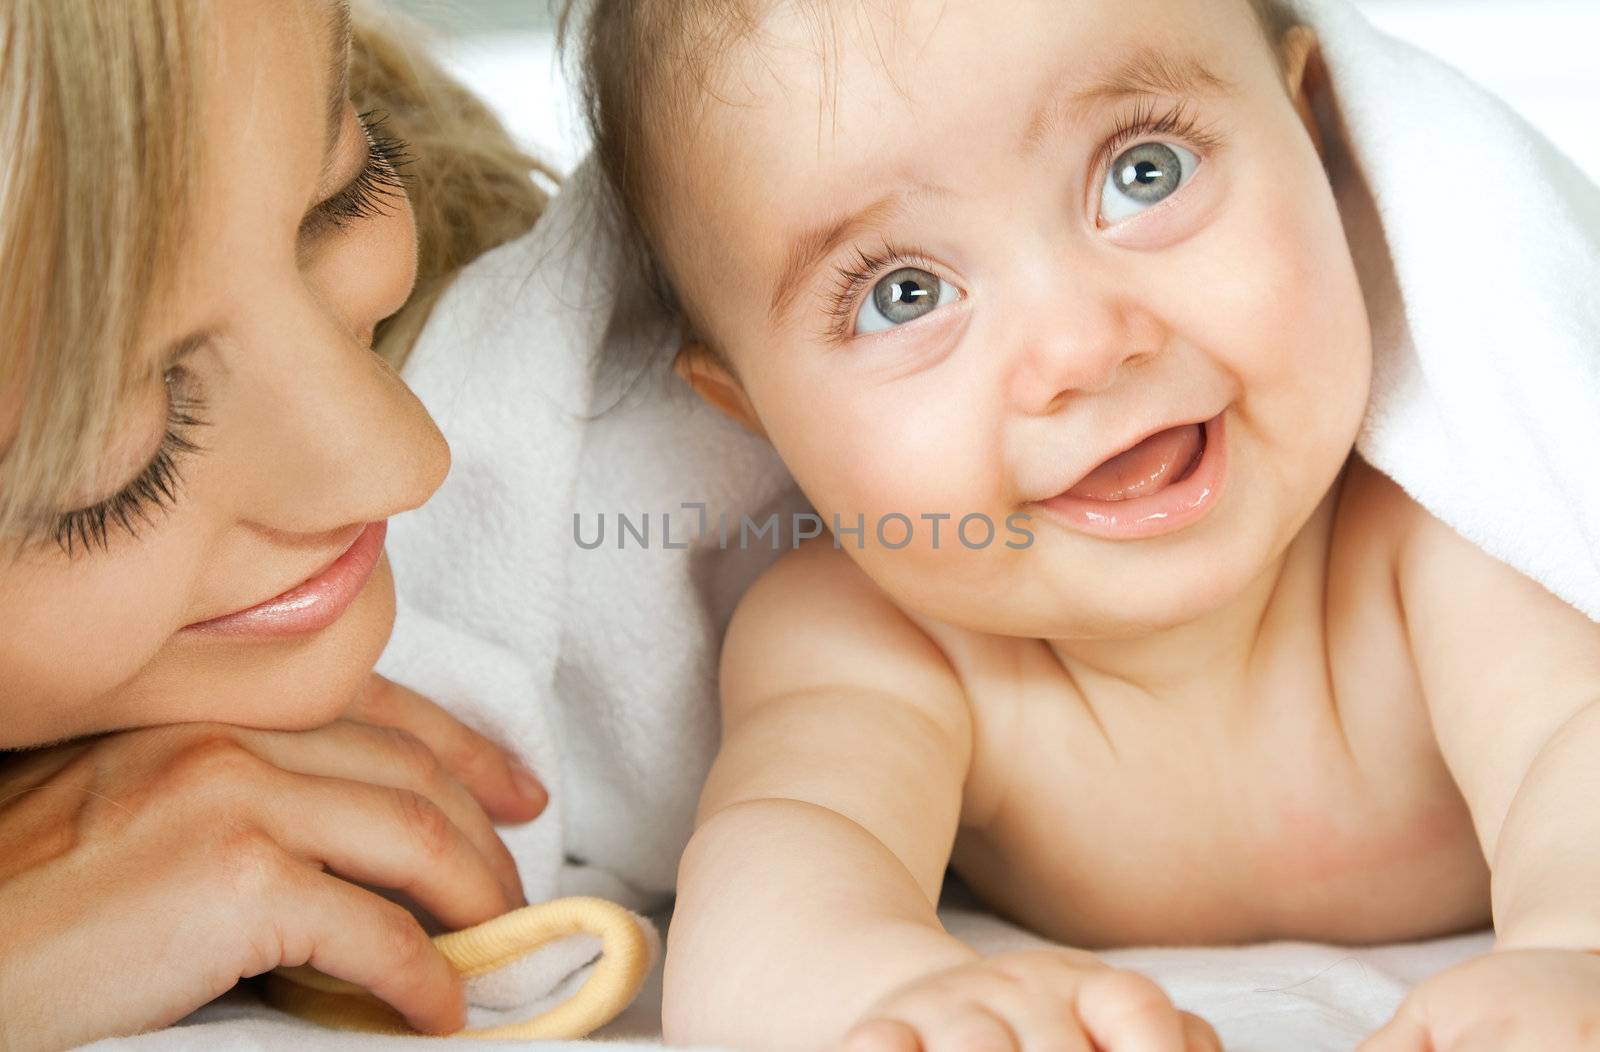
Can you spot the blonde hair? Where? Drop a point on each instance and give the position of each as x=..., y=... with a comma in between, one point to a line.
x=98, y=105
x=87, y=89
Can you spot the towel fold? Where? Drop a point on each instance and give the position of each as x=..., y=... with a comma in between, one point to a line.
x=1478, y=246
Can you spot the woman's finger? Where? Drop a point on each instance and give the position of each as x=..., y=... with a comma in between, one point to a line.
x=388, y=838
x=502, y=786
x=393, y=758
x=352, y=934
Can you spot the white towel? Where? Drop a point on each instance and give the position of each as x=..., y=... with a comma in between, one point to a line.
x=1478, y=246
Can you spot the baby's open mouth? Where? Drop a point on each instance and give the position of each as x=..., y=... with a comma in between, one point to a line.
x=1163, y=459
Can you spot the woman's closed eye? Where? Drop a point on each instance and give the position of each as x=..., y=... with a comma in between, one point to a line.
x=374, y=192
x=153, y=489
x=376, y=189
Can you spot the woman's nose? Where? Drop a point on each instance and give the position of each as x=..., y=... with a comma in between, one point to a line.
x=1078, y=342
x=331, y=435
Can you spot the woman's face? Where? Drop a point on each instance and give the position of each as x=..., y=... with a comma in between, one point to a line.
x=306, y=441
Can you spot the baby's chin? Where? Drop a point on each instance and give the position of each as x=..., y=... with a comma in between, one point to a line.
x=1072, y=588
x=1115, y=614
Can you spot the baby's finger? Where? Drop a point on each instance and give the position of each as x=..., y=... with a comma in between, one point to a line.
x=1127, y=1012
x=970, y=1028
x=502, y=786
x=1404, y=1033
x=881, y=1035
x=1044, y=1023
x=1198, y=1035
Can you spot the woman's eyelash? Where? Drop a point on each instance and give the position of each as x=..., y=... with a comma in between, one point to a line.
x=154, y=489
x=373, y=192
x=853, y=277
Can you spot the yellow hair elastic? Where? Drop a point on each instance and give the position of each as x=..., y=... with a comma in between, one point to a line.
x=626, y=956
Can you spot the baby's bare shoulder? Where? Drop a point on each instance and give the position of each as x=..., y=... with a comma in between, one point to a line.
x=813, y=621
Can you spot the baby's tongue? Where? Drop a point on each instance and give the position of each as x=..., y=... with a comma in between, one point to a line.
x=1147, y=468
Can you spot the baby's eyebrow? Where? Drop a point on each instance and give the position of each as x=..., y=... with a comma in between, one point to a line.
x=1148, y=71
x=810, y=247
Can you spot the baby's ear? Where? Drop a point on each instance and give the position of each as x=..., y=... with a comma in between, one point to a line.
x=699, y=367
x=1306, y=77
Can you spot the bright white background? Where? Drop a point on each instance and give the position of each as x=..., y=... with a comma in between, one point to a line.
x=1542, y=56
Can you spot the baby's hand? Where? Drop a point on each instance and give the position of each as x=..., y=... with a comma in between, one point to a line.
x=1510, y=1001
x=1034, y=999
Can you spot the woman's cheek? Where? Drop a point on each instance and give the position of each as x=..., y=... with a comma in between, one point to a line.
x=73, y=631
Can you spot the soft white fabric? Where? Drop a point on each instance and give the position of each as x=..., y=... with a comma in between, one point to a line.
x=1479, y=250
x=1283, y=997
x=1478, y=244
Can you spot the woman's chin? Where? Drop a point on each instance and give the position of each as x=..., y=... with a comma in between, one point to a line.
x=272, y=684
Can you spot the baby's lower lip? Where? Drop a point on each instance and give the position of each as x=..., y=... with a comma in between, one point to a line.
x=310, y=606
x=1173, y=508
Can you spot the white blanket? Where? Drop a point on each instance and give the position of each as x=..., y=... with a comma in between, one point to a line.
x=1284, y=997
x=1478, y=244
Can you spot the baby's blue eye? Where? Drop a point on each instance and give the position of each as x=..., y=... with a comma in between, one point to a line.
x=1144, y=176
x=904, y=296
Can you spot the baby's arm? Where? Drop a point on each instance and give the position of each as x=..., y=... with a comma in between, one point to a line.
x=808, y=890
x=806, y=898
x=1512, y=679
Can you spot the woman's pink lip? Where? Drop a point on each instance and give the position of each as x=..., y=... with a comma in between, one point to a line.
x=309, y=607
x=1179, y=505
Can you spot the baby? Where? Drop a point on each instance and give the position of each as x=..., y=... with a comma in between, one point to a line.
x=1075, y=266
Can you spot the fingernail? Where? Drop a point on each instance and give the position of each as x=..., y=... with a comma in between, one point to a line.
x=528, y=787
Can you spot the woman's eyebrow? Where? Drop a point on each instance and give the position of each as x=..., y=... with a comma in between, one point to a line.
x=340, y=32
x=1149, y=71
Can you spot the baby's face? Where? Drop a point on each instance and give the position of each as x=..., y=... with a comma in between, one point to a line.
x=949, y=286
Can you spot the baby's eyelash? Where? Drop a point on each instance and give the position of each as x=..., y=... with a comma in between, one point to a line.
x=153, y=490
x=380, y=184
x=1177, y=123
x=856, y=275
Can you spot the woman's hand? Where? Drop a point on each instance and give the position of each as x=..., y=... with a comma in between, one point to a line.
x=144, y=872
x=506, y=790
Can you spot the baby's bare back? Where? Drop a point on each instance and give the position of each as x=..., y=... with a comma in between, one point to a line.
x=1308, y=801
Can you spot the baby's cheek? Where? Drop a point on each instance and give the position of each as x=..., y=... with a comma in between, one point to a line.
x=917, y=453
x=1295, y=318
